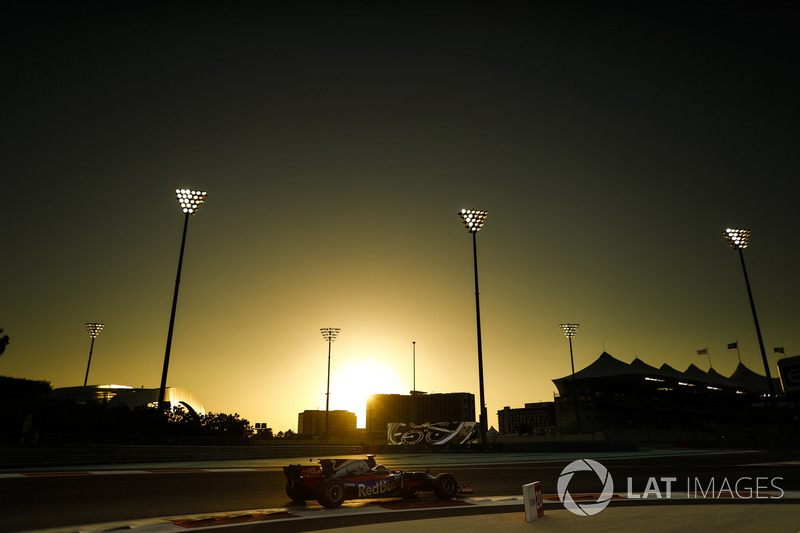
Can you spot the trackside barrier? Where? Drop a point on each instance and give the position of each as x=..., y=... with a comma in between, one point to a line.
x=17, y=457
x=534, y=504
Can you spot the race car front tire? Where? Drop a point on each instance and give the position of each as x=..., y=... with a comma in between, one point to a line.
x=331, y=493
x=445, y=486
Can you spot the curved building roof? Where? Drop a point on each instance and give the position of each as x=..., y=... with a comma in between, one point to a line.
x=124, y=395
x=176, y=397
x=607, y=366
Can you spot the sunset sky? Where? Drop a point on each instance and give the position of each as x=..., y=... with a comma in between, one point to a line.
x=611, y=147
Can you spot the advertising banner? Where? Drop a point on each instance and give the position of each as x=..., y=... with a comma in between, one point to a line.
x=533, y=501
x=402, y=433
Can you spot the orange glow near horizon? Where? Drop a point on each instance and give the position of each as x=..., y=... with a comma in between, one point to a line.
x=357, y=380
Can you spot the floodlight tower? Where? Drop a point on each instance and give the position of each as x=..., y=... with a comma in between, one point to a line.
x=94, y=329
x=569, y=332
x=190, y=201
x=473, y=221
x=738, y=239
x=413, y=367
x=329, y=335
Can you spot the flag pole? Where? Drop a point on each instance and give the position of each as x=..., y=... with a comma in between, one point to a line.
x=735, y=344
x=705, y=352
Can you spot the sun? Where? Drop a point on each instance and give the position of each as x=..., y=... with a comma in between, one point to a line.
x=355, y=381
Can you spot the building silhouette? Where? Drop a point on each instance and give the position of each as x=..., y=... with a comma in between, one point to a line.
x=614, y=397
x=312, y=423
x=114, y=395
x=418, y=408
x=533, y=419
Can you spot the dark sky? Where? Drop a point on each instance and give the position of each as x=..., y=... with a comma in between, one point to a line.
x=610, y=143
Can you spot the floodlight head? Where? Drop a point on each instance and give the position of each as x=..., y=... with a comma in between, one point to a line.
x=329, y=334
x=737, y=238
x=94, y=329
x=569, y=330
x=473, y=219
x=190, y=200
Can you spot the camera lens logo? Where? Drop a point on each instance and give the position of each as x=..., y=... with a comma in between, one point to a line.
x=585, y=508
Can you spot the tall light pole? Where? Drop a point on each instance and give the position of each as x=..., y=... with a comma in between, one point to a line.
x=413, y=367
x=738, y=239
x=329, y=335
x=190, y=201
x=570, y=330
x=473, y=221
x=94, y=329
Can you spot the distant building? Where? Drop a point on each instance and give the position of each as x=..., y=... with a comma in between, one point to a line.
x=534, y=418
x=101, y=394
x=418, y=408
x=614, y=396
x=113, y=395
x=312, y=423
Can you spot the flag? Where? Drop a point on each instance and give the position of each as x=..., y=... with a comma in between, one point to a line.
x=704, y=351
x=733, y=345
x=779, y=349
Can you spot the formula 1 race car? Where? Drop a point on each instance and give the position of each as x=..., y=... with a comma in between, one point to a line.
x=332, y=481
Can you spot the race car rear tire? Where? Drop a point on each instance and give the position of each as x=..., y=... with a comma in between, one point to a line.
x=331, y=493
x=445, y=486
x=295, y=492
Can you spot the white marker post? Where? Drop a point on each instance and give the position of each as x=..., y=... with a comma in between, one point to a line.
x=534, y=504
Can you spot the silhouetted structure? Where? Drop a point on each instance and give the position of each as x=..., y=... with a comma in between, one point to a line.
x=190, y=201
x=418, y=408
x=113, y=395
x=313, y=423
x=534, y=418
x=613, y=395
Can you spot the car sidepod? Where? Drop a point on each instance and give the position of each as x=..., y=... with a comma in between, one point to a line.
x=415, y=482
x=379, y=485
